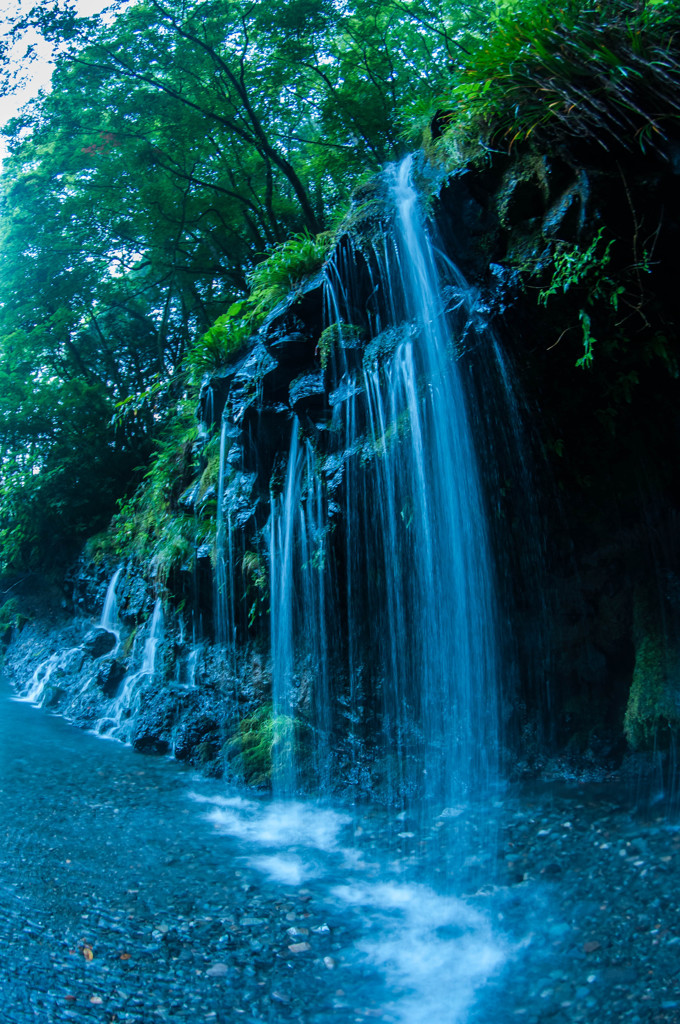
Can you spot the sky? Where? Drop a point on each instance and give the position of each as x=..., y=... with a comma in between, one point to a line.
x=41, y=69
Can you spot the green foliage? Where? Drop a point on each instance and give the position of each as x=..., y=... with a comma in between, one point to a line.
x=584, y=269
x=257, y=584
x=262, y=739
x=605, y=72
x=11, y=616
x=145, y=403
x=211, y=470
x=178, y=142
x=59, y=475
x=150, y=523
x=603, y=291
x=335, y=336
x=219, y=344
x=176, y=547
x=286, y=267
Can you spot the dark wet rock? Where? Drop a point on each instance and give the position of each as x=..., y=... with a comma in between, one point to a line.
x=240, y=499
x=380, y=349
x=194, y=731
x=109, y=676
x=188, y=499
x=308, y=396
x=294, y=349
x=213, y=395
x=565, y=219
x=146, y=740
x=266, y=432
x=524, y=192
x=134, y=596
x=301, y=312
x=54, y=697
x=348, y=389
x=99, y=642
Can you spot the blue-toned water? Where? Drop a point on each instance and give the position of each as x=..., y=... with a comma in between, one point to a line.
x=133, y=891
x=388, y=583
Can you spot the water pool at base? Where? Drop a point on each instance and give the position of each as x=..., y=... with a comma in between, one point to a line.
x=134, y=891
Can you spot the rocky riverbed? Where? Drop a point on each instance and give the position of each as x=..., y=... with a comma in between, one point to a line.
x=133, y=891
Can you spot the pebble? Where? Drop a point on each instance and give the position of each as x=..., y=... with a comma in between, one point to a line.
x=217, y=971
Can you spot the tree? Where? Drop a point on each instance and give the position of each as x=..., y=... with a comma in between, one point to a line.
x=180, y=141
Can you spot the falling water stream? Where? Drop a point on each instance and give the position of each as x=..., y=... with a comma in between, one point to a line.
x=420, y=605
x=175, y=898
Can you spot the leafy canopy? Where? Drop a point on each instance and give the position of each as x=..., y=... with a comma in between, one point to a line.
x=180, y=143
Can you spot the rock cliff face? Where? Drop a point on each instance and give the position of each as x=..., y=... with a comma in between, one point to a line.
x=573, y=401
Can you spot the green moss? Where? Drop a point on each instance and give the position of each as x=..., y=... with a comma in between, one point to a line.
x=263, y=739
x=176, y=547
x=206, y=751
x=257, y=586
x=127, y=645
x=653, y=709
x=211, y=471
x=98, y=547
x=337, y=336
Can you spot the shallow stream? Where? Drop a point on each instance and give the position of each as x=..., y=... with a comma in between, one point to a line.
x=133, y=890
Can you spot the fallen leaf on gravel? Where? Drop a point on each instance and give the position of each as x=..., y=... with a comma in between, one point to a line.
x=124, y=956
x=590, y=947
x=87, y=952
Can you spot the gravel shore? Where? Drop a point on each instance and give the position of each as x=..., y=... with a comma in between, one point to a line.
x=132, y=891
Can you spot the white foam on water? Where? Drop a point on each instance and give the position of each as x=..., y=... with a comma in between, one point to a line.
x=278, y=824
x=290, y=870
x=435, y=951
x=224, y=801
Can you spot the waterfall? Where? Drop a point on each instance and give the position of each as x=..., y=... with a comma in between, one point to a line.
x=412, y=587
x=109, y=619
x=122, y=710
x=298, y=623
x=432, y=538
x=151, y=643
x=225, y=614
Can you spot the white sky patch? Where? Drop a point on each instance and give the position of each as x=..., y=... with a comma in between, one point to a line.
x=37, y=72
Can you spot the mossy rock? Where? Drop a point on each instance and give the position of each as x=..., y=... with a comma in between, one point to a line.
x=264, y=741
x=11, y=618
x=653, y=711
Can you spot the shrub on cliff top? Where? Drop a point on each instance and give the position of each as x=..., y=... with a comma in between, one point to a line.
x=607, y=72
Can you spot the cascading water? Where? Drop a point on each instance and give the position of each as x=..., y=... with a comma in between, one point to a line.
x=225, y=615
x=121, y=714
x=109, y=619
x=431, y=540
x=298, y=609
x=415, y=583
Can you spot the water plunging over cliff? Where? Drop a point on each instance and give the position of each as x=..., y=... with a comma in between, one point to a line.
x=415, y=589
